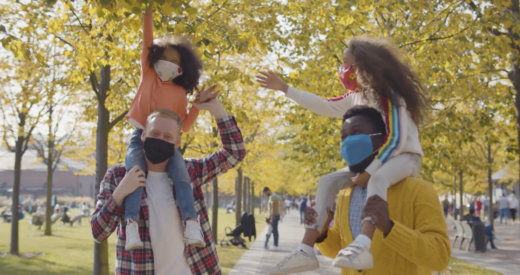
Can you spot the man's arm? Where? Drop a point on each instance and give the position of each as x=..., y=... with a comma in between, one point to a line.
x=329, y=242
x=428, y=244
x=233, y=152
x=108, y=214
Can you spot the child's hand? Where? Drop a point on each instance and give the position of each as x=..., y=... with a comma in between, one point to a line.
x=271, y=81
x=205, y=95
x=361, y=179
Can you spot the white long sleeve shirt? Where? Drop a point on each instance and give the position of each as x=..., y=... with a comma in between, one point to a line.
x=402, y=133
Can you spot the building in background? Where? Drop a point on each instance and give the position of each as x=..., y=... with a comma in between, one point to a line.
x=66, y=180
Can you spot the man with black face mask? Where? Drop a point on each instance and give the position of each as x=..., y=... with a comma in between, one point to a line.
x=160, y=225
x=411, y=236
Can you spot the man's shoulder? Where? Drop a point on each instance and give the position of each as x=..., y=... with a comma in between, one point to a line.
x=414, y=187
x=116, y=171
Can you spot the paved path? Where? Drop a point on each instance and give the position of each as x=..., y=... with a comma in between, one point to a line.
x=256, y=259
x=506, y=260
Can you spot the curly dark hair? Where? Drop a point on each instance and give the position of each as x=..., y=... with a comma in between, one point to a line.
x=381, y=68
x=191, y=63
x=371, y=113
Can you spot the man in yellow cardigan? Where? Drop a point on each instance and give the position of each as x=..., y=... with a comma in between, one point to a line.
x=411, y=236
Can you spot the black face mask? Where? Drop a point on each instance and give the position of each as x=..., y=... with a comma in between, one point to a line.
x=157, y=150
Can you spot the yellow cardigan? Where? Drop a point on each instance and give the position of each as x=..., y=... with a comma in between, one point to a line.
x=418, y=242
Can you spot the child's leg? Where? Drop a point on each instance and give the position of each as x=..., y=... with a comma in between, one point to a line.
x=393, y=171
x=134, y=156
x=178, y=172
x=328, y=187
x=267, y=236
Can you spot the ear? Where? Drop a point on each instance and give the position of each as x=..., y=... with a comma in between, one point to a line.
x=143, y=135
x=178, y=142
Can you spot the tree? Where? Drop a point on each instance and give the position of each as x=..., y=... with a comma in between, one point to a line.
x=58, y=98
x=21, y=93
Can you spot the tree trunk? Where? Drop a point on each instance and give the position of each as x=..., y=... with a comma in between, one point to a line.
x=214, y=208
x=515, y=79
x=253, y=197
x=244, y=194
x=461, y=195
x=490, y=186
x=103, y=128
x=238, y=197
x=16, y=189
x=50, y=161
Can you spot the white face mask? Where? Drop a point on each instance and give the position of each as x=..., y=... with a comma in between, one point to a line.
x=166, y=70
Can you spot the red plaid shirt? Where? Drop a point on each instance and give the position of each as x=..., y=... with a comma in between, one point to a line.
x=108, y=216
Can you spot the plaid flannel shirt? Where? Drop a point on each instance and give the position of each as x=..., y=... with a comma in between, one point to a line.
x=108, y=216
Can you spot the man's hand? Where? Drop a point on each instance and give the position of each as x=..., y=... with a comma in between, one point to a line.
x=213, y=106
x=133, y=179
x=310, y=216
x=377, y=208
x=361, y=179
x=204, y=95
x=271, y=81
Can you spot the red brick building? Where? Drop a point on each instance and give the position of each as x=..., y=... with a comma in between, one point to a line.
x=34, y=176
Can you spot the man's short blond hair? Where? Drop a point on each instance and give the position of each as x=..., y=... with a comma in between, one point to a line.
x=165, y=113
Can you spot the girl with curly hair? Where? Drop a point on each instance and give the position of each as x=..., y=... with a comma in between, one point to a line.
x=170, y=70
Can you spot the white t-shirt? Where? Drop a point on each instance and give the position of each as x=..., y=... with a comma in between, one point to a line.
x=287, y=203
x=166, y=230
x=502, y=202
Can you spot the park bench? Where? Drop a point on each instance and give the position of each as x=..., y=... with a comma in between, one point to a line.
x=464, y=232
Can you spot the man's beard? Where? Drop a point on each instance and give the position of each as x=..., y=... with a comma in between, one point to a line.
x=362, y=166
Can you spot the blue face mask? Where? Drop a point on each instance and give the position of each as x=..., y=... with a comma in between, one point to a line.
x=357, y=148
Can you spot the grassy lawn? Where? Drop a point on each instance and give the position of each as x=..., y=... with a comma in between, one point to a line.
x=70, y=251
x=461, y=267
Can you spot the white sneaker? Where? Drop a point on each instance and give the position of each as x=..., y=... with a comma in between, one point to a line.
x=354, y=256
x=297, y=262
x=193, y=234
x=133, y=240
x=274, y=248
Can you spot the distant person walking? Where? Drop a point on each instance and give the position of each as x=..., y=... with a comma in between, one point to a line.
x=485, y=203
x=287, y=206
x=513, y=206
x=478, y=205
x=303, y=206
x=274, y=209
x=503, y=208
x=445, y=206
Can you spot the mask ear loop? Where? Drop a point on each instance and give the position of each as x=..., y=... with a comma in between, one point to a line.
x=376, y=134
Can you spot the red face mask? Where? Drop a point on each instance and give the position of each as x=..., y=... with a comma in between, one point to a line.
x=347, y=76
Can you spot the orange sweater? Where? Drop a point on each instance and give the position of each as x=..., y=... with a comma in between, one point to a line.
x=154, y=94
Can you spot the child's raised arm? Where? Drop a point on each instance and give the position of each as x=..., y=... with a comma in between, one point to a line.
x=147, y=38
x=333, y=107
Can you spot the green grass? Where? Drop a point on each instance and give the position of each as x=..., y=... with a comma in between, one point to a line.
x=70, y=250
x=462, y=267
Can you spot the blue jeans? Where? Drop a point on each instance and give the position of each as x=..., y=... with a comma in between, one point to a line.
x=302, y=215
x=276, y=219
x=267, y=236
x=177, y=171
x=488, y=232
x=504, y=213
